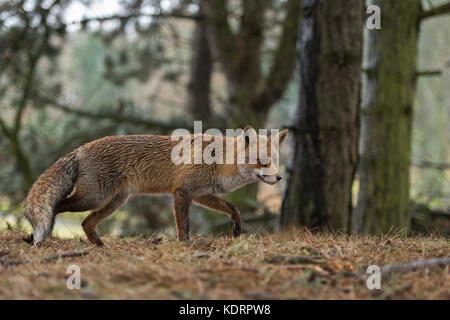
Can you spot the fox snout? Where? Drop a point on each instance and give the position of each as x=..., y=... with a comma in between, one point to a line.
x=270, y=179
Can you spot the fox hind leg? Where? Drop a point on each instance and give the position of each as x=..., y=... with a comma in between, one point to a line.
x=79, y=203
x=95, y=217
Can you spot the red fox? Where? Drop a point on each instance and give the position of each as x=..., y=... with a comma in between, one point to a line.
x=102, y=174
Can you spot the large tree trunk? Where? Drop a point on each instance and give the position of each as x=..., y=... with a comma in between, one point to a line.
x=387, y=113
x=322, y=166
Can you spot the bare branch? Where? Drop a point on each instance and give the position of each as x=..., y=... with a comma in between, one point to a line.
x=4, y=128
x=431, y=165
x=414, y=265
x=421, y=210
x=435, y=12
x=10, y=262
x=148, y=123
x=138, y=15
x=25, y=94
x=428, y=73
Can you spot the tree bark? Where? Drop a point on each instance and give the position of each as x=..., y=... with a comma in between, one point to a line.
x=201, y=70
x=386, y=123
x=322, y=166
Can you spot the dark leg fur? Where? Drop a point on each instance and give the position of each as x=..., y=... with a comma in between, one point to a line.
x=181, y=203
x=77, y=203
x=216, y=203
x=29, y=239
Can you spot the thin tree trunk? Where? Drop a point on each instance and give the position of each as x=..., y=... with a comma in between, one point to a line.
x=201, y=70
x=23, y=162
x=387, y=113
x=322, y=166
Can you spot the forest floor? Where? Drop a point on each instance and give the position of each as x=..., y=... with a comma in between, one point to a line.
x=291, y=265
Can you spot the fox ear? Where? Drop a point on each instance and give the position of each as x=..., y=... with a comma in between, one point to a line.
x=282, y=135
x=246, y=132
x=247, y=127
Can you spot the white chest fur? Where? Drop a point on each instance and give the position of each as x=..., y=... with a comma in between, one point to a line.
x=230, y=183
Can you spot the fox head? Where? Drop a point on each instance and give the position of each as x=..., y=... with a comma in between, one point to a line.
x=261, y=155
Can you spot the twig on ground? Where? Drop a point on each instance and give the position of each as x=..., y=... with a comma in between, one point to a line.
x=3, y=253
x=281, y=259
x=10, y=262
x=414, y=265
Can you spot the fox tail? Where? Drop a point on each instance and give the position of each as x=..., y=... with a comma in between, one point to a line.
x=52, y=187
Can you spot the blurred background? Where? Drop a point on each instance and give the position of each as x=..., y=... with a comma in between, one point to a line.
x=369, y=110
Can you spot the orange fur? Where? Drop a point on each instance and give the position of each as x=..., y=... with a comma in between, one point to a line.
x=102, y=174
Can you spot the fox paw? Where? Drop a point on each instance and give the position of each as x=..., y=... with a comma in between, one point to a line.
x=29, y=239
x=99, y=243
x=236, y=230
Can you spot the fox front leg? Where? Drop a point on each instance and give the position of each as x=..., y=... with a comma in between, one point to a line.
x=181, y=203
x=216, y=203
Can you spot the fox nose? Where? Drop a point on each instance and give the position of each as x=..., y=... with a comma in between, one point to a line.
x=279, y=178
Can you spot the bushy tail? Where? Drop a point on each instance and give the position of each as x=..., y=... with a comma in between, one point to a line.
x=52, y=187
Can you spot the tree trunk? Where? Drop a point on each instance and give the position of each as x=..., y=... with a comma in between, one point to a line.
x=322, y=166
x=387, y=113
x=201, y=70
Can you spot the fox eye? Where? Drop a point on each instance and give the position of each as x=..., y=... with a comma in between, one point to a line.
x=263, y=165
